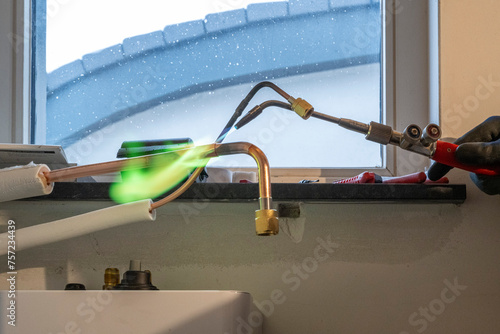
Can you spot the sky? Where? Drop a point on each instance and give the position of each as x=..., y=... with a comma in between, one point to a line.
x=78, y=27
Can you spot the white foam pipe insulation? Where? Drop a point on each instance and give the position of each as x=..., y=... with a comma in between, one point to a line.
x=24, y=181
x=83, y=224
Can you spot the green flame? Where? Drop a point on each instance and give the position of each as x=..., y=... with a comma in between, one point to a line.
x=169, y=170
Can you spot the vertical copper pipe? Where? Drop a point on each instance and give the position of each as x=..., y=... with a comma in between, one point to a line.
x=262, y=165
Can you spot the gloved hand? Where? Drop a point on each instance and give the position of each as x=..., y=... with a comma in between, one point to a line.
x=480, y=147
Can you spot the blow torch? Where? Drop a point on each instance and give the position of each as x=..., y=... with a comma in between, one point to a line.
x=425, y=142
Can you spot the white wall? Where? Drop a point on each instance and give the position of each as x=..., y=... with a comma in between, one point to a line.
x=470, y=63
x=391, y=260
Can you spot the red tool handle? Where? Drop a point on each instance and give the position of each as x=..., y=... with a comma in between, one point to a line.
x=445, y=154
x=365, y=177
x=418, y=177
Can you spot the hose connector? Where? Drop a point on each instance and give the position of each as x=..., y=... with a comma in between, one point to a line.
x=411, y=136
x=266, y=222
x=301, y=107
x=251, y=115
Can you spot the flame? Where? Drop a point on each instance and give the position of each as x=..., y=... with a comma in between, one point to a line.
x=169, y=169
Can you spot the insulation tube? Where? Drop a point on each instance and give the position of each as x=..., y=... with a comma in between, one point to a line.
x=23, y=181
x=86, y=223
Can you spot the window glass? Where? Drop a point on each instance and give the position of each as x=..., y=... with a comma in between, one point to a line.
x=157, y=70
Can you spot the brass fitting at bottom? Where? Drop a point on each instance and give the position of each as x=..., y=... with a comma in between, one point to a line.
x=266, y=222
x=111, y=278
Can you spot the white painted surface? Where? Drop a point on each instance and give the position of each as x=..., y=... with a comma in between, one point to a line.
x=147, y=312
x=75, y=226
x=391, y=260
x=470, y=63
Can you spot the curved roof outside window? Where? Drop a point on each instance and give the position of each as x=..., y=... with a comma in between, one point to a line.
x=299, y=40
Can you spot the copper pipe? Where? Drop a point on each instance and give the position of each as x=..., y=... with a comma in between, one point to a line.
x=179, y=190
x=215, y=150
x=71, y=173
x=264, y=172
x=266, y=219
x=208, y=151
x=262, y=165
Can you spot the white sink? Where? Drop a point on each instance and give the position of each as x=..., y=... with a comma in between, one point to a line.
x=145, y=312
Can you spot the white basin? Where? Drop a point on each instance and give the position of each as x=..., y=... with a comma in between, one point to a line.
x=148, y=312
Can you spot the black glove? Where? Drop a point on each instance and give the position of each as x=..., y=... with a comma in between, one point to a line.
x=478, y=147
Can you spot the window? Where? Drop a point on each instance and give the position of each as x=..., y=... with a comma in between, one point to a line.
x=93, y=139
x=182, y=75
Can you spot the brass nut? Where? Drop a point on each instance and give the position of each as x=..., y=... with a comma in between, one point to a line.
x=302, y=108
x=266, y=222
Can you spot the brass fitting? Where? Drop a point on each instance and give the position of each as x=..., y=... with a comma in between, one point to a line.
x=111, y=278
x=266, y=222
x=301, y=107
